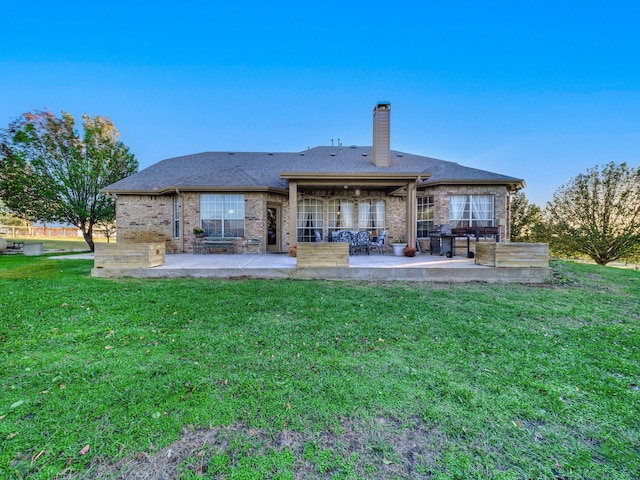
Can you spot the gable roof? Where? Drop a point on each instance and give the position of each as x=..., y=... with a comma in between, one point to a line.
x=260, y=171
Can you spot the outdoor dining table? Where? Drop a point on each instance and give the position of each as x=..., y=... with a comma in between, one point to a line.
x=355, y=240
x=13, y=245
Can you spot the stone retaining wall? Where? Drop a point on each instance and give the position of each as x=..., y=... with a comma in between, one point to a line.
x=311, y=255
x=128, y=255
x=512, y=254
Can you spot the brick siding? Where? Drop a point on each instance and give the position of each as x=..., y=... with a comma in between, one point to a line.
x=148, y=218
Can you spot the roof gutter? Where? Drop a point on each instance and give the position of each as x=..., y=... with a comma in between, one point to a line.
x=172, y=189
x=513, y=184
x=365, y=176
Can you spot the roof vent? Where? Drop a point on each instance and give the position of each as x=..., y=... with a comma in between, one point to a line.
x=332, y=154
x=302, y=154
x=270, y=153
x=364, y=154
x=231, y=153
x=400, y=155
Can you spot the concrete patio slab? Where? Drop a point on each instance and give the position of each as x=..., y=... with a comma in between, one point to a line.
x=422, y=268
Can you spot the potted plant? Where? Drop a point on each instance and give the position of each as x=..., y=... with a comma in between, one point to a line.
x=410, y=251
x=398, y=246
x=293, y=251
x=198, y=232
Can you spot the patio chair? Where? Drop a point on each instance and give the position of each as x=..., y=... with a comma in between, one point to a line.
x=362, y=243
x=346, y=237
x=381, y=243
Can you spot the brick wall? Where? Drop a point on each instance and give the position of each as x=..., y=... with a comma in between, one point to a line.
x=442, y=203
x=145, y=218
x=148, y=218
x=395, y=207
x=255, y=217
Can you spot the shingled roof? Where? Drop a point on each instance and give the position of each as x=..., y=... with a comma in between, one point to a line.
x=255, y=171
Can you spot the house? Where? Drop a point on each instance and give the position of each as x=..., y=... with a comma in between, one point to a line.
x=281, y=199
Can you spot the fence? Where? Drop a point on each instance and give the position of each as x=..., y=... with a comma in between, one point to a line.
x=17, y=231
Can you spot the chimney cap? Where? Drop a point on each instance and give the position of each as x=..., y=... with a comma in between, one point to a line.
x=383, y=104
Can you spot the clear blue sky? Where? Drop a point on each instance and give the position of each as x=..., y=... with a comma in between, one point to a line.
x=538, y=90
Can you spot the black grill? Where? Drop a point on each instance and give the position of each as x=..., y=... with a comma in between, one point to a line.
x=440, y=231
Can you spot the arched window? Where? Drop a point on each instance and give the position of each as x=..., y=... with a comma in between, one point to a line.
x=371, y=215
x=341, y=215
x=310, y=220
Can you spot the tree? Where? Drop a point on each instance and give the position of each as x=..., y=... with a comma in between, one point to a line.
x=7, y=218
x=597, y=214
x=633, y=256
x=106, y=228
x=525, y=219
x=50, y=172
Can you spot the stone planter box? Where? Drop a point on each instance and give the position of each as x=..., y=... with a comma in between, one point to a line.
x=33, y=249
x=312, y=255
x=128, y=255
x=512, y=254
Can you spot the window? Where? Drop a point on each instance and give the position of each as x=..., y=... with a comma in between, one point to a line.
x=472, y=210
x=310, y=220
x=371, y=215
x=424, y=216
x=176, y=216
x=341, y=215
x=222, y=215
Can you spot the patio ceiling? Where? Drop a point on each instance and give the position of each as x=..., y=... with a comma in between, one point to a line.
x=391, y=183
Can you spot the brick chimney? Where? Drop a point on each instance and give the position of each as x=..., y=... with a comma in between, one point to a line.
x=382, y=135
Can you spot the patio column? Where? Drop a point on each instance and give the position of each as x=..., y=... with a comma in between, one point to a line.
x=411, y=214
x=293, y=213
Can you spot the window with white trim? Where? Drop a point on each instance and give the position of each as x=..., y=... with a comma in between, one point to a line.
x=371, y=215
x=424, y=215
x=471, y=210
x=222, y=215
x=341, y=215
x=310, y=220
x=176, y=216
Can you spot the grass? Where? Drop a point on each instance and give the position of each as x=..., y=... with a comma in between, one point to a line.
x=316, y=379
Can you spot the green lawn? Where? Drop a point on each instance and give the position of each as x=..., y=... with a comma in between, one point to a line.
x=244, y=379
